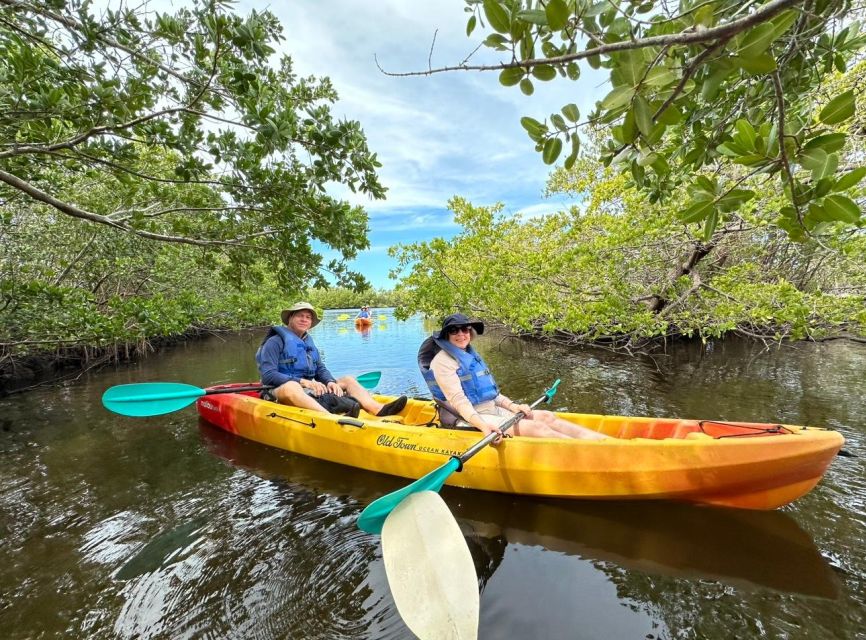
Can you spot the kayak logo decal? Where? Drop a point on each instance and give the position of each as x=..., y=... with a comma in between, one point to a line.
x=403, y=442
x=210, y=405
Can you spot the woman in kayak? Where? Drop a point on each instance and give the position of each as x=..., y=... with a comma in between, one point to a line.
x=289, y=361
x=364, y=313
x=463, y=386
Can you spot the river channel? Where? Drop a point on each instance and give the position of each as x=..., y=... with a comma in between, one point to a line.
x=166, y=527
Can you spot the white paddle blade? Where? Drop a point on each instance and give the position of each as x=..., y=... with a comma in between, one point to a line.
x=430, y=570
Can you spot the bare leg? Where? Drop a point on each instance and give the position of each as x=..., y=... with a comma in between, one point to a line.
x=293, y=393
x=546, y=425
x=570, y=429
x=354, y=389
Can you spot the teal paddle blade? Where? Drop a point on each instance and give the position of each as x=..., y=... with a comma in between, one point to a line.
x=372, y=519
x=369, y=380
x=150, y=398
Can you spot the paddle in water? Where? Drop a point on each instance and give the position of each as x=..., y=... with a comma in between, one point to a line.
x=373, y=517
x=157, y=398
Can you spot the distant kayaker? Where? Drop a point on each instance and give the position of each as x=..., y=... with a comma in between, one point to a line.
x=464, y=387
x=289, y=361
x=364, y=313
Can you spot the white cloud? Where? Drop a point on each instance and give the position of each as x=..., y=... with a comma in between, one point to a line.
x=437, y=136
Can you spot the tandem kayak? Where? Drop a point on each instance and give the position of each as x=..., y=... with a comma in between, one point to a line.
x=363, y=322
x=733, y=464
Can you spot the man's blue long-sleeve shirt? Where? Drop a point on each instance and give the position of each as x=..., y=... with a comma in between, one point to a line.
x=272, y=351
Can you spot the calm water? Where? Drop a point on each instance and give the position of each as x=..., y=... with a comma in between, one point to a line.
x=165, y=527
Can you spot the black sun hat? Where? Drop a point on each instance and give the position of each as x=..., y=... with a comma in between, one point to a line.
x=458, y=320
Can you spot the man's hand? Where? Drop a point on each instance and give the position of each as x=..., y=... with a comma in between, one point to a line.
x=336, y=389
x=315, y=386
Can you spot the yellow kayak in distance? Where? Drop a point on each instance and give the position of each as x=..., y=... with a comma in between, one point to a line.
x=745, y=465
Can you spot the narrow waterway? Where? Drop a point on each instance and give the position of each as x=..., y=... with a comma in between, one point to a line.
x=166, y=527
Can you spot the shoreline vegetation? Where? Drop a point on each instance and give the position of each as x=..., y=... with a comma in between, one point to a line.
x=34, y=351
x=29, y=364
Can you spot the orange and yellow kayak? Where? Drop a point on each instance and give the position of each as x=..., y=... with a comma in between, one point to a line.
x=746, y=465
x=363, y=322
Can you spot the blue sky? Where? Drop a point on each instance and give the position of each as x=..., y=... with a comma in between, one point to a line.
x=437, y=137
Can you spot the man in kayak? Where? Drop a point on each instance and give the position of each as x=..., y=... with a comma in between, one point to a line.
x=289, y=361
x=364, y=313
x=464, y=388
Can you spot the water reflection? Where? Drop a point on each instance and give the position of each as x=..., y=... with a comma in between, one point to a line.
x=117, y=527
x=743, y=548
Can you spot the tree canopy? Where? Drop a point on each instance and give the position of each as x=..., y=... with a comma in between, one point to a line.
x=703, y=93
x=193, y=128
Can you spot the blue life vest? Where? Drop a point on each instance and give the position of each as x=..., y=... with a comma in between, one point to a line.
x=363, y=314
x=475, y=378
x=300, y=358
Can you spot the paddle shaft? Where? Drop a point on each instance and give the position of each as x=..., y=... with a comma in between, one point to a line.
x=505, y=426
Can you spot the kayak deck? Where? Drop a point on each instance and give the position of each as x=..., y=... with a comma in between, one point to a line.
x=747, y=465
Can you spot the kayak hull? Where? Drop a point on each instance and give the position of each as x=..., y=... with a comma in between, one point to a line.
x=363, y=322
x=745, y=465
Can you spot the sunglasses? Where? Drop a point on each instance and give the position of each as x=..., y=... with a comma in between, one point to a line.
x=464, y=329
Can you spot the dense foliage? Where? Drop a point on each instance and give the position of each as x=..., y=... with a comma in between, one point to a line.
x=161, y=174
x=621, y=270
x=720, y=189
x=246, y=148
x=697, y=87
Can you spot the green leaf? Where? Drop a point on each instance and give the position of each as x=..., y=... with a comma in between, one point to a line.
x=660, y=77
x=495, y=41
x=842, y=208
x=670, y=116
x=697, y=212
x=703, y=183
x=710, y=225
x=510, y=77
x=497, y=16
x=758, y=66
x=827, y=168
x=757, y=41
x=829, y=142
x=533, y=16
x=630, y=67
x=533, y=126
x=850, y=179
x=557, y=15
x=572, y=71
x=526, y=87
x=470, y=25
x=619, y=97
x=711, y=84
x=544, y=72
x=575, y=144
x=839, y=109
x=813, y=158
x=552, y=149
x=734, y=198
x=558, y=122
x=782, y=22
x=643, y=116
x=571, y=112
x=745, y=134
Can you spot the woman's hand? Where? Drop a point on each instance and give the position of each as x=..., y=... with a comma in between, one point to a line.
x=524, y=408
x=486, y=428
x=335, y=388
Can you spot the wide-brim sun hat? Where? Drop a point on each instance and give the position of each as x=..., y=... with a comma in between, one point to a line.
x=300, y=306
x=458, y=320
